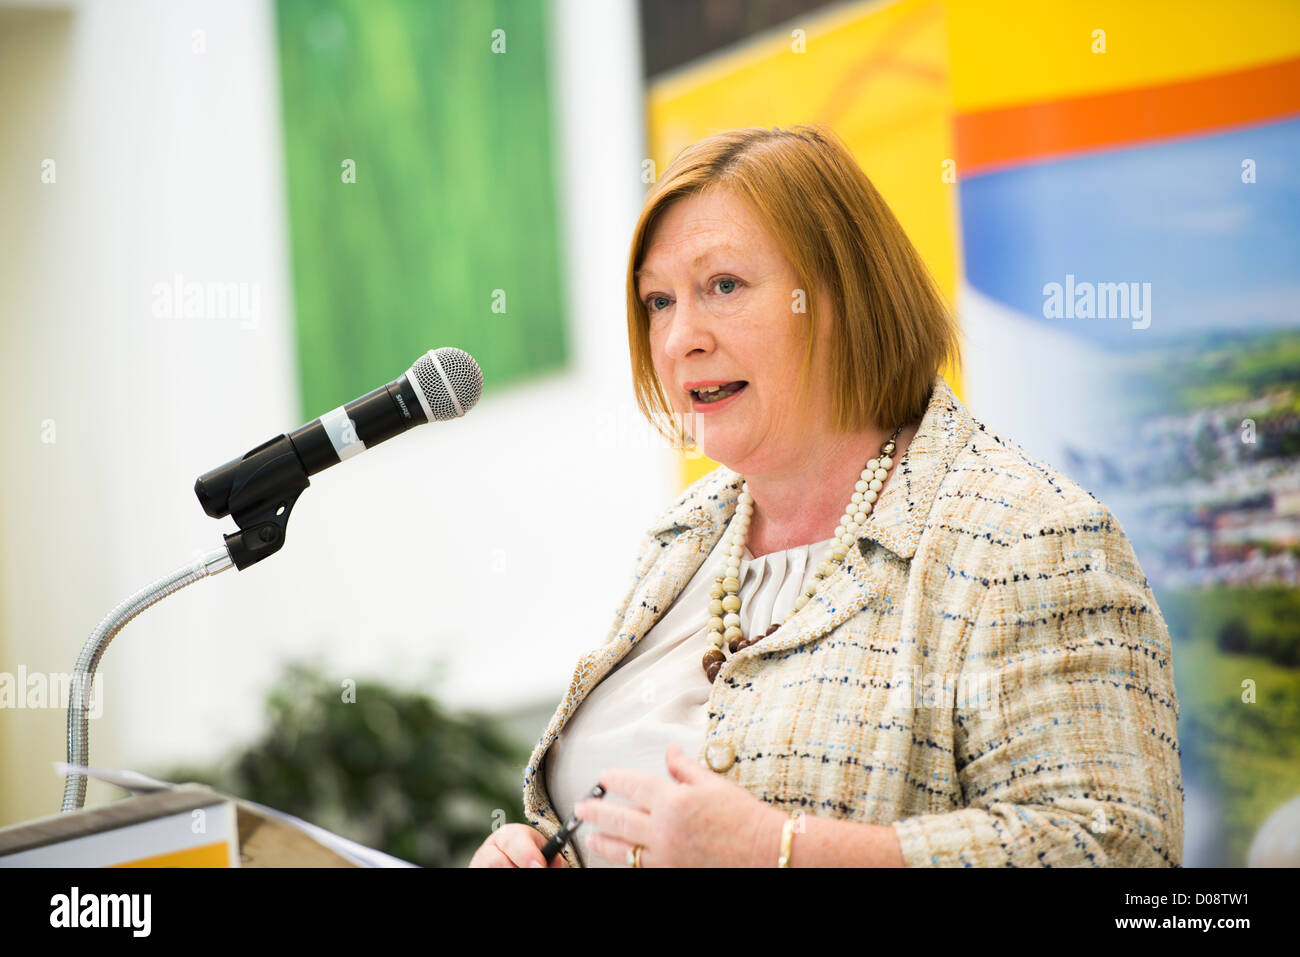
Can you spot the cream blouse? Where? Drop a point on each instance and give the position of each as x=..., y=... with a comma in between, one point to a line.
x=659, y=692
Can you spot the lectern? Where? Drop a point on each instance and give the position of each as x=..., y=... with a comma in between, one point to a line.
x=186, y=826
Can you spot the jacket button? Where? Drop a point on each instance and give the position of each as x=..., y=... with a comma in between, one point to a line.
x=720, y=756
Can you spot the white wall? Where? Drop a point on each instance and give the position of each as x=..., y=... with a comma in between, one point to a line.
x=510, y=552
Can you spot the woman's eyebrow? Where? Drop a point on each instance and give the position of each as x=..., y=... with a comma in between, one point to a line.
x=708, y=253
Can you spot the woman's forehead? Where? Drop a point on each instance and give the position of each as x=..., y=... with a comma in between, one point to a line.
x=696, y=236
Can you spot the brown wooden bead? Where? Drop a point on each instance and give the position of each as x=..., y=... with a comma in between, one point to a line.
x=738, y=643
x=713, y=661
x=772, y=629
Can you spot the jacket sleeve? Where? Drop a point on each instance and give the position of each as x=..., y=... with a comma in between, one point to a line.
x=1065, y=743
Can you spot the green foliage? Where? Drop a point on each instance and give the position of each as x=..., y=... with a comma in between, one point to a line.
x=1219, y=368
x=454, y=194
x=1255, y=621
x=390, y=770
x=1234, y=636
x=1246, y=752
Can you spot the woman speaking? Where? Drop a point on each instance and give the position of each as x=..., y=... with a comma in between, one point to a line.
x=880, y=634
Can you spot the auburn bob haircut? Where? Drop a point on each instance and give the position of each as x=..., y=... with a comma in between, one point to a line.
x=892, y=330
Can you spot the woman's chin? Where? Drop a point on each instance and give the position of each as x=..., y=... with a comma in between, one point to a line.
x=717, y=448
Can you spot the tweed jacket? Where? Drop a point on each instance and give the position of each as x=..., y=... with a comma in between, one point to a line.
x=987, y=672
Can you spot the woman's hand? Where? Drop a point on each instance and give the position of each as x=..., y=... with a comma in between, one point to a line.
x=514, y=845
x=699, y=819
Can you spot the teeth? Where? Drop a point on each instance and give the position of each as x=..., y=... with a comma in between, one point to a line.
x=714, y=393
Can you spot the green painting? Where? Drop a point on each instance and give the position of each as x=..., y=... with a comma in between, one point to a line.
x=422, y=189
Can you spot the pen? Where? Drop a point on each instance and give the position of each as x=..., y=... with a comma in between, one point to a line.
x=563, y=834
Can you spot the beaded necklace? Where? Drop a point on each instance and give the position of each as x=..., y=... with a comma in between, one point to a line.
x=724, y=593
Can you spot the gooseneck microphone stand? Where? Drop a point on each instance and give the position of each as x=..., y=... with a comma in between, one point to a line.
x=74, y=785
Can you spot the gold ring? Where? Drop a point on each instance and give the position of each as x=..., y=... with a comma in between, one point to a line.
x=634, y=856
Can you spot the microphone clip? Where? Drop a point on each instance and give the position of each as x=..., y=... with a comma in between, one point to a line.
x=258, y=492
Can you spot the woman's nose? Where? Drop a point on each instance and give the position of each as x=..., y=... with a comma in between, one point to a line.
x=688, y=333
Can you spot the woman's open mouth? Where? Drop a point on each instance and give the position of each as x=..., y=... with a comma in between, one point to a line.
x=709, y=396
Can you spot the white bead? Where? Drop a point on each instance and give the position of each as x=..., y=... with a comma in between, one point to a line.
x=881, y=474
x=800, y=602
x=859, y=518
x=731, y=620
x=717, y=640
x=876, y=485
x=860, y=485
x=744, y=498
x=839, y=531
x=715, y=607
x=838, y=551
x=886, y=463
x=744, y=508
x=873, y=465
x=716, y=624
x=869, y=496
x=857, y=497
x=866, y=507
x=848, y=540
x=737, y=550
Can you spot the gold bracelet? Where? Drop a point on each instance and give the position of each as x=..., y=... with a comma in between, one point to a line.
x=787, y=838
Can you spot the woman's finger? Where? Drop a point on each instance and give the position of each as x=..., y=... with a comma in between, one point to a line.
x=489, y=855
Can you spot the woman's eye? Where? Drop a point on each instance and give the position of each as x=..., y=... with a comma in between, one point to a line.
x=659, y=303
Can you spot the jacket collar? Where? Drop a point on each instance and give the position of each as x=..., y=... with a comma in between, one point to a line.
x=904, y=503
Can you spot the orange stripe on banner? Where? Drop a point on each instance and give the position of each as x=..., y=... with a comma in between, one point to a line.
x=206, y=855
x=1016, y=135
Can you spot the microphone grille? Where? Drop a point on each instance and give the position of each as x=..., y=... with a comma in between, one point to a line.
x=451, y=381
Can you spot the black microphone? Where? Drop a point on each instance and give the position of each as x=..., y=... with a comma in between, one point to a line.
x=260, y=488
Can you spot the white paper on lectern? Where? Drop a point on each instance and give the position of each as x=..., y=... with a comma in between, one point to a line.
x=137, y=783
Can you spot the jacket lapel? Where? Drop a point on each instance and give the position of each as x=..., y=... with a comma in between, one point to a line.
x=678, y=543
x=687, y=531
x=895, y=523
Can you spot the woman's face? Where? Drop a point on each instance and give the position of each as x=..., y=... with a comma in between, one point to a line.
x=724, y=306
